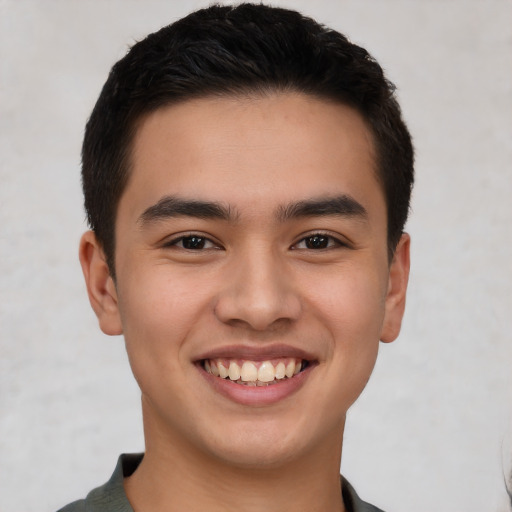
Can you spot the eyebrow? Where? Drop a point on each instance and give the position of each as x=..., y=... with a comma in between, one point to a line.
x=343, y=206
x=171, y=206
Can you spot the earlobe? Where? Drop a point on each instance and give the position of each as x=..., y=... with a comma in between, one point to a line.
x=100, y=285
x=397, y=289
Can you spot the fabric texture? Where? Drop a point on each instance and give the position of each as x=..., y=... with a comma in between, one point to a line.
x=111, y=497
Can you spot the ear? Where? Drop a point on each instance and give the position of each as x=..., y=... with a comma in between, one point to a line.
x=100, y=285
x=397, y=288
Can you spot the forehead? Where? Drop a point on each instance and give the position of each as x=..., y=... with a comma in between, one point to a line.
x=253, y=151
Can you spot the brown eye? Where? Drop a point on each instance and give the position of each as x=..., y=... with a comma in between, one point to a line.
x=193, y=242
x=317, y=242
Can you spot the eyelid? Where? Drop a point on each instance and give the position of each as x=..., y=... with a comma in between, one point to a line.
x=339, y=240
x=173, y=240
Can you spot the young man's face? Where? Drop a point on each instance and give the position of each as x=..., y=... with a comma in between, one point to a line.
x=252, y=236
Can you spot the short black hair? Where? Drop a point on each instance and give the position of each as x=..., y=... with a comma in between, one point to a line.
x=239, y=50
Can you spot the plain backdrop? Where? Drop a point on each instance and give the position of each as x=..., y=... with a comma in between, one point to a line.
x=428, y=432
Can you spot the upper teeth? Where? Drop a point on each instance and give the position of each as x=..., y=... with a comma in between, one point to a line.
x=253, y=371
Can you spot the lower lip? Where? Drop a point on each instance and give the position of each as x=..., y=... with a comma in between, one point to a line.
x=257, y=395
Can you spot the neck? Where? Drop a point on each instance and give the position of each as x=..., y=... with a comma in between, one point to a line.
x=174, y=476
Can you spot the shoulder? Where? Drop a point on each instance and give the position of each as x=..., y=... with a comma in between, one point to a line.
x=353, y=502
x=76, y=506
x=110, y=496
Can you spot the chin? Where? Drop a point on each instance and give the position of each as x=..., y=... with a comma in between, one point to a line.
x=256, y=454
x=259, y=445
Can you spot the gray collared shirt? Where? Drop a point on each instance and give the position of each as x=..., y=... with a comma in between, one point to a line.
x=111, y=497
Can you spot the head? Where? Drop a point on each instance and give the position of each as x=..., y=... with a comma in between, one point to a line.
x=247, y=177
x=239, y=51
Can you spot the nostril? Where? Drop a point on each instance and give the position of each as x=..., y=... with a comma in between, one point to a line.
x=257, y=300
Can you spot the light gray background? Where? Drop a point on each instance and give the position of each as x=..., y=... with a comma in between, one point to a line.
x=427, y=433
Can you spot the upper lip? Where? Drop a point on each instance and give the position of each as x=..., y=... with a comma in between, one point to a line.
x=256, y=353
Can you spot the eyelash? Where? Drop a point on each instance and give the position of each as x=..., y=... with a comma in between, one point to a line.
x=175, y=241
x=332, y=242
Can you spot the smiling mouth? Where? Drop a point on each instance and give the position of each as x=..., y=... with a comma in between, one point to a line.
x=255, y=373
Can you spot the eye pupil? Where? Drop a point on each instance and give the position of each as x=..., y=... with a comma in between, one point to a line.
x=317, y=242
x=193, y=242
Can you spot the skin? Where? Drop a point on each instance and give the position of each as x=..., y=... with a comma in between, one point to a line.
x=257, y=282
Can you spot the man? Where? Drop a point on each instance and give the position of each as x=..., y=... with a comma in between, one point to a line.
x=247, y=177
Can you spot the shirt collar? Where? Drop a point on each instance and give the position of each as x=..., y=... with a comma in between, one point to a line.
x=111, y=496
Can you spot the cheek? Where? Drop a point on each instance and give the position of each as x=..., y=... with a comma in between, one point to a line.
x=158, y=311
x=351, y=308
x=351, y=302
x=159, y=314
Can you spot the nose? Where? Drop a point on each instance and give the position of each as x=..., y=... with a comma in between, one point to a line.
x=259, y=293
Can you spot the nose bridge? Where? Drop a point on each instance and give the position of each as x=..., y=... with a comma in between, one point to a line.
x=258, y=290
